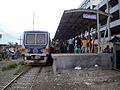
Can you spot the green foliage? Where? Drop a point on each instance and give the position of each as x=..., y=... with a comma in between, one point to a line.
x=22, y=63
x=22, y=69
x=9, y=67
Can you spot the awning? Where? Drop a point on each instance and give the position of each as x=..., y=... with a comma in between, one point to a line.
x=75, y=21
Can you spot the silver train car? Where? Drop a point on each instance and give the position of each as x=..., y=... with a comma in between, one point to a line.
x=36, y=46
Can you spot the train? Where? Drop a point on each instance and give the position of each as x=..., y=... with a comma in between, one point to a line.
x=36, y=46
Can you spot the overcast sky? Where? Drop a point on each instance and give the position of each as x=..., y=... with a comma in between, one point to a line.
x=16, y=16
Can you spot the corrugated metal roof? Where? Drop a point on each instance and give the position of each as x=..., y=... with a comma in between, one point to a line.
x=72, y=22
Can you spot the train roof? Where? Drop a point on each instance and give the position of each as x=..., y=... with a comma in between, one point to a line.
x=35, y=31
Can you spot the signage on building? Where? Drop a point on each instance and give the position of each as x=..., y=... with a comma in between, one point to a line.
x=89, y=16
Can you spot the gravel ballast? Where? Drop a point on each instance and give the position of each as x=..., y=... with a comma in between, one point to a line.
x=78, y=80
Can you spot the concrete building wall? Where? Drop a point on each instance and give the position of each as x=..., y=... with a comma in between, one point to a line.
x=89, y=4
x=108, y=6
x=96, y=2
x=112, y=8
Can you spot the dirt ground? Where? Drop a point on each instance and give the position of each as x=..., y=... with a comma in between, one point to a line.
x=77, y=80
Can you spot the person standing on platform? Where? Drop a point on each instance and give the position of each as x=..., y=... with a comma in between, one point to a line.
x=84, y=45
x=71, y=45
x=77, y=45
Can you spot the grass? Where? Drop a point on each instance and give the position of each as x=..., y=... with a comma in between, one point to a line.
x=9, y=67
x=19, y=67
x=22, y=63
x=13, y=66
x=22, y=66
x=22, y=69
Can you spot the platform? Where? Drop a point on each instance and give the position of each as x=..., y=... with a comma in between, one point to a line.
x=84, y=61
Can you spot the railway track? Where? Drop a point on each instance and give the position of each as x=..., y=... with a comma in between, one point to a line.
x=24, y=81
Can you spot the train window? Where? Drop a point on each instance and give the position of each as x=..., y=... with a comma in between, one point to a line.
x=40, y=39
x=30, y=38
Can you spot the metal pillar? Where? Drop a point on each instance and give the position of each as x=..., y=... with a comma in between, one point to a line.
x=108, y=22
x=114, y=55
x=108, y=27
x=89, y=38
x=91, y=3
x=98, y=30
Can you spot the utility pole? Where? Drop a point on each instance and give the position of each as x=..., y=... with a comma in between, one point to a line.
x=33, y=20
x=20, y=40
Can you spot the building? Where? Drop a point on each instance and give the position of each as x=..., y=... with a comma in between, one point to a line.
x=73, y=23
x=90, y=4
x=108, y=6
x=112, y=7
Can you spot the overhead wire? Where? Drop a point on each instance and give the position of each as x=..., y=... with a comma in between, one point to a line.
x=8, y=34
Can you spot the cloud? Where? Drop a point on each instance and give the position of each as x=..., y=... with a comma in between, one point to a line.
x=17, y=15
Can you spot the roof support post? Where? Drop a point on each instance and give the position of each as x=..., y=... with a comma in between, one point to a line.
x=98, y=30
x=89, y=37
x=108, y=20
x=105, y=32
x=108, y=27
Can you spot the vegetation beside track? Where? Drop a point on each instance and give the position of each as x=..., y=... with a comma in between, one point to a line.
x=20, y=67
x=9, y=67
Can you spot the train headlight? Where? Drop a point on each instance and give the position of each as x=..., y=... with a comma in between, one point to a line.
x=23, y=50
x=26, y=50
x=35, y=51
x=46, y=50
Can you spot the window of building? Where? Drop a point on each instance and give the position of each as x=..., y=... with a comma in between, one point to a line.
x=112, y=3
x=103, y=8
x=115, y=16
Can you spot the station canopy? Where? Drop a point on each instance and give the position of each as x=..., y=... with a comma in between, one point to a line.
x=75, y=21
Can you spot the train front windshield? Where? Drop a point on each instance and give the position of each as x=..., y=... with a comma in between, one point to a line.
x=35, y=39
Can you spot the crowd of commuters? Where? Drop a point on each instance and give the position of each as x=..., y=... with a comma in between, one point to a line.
x=72, y=45
x=76, y=45
x=9, y=52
